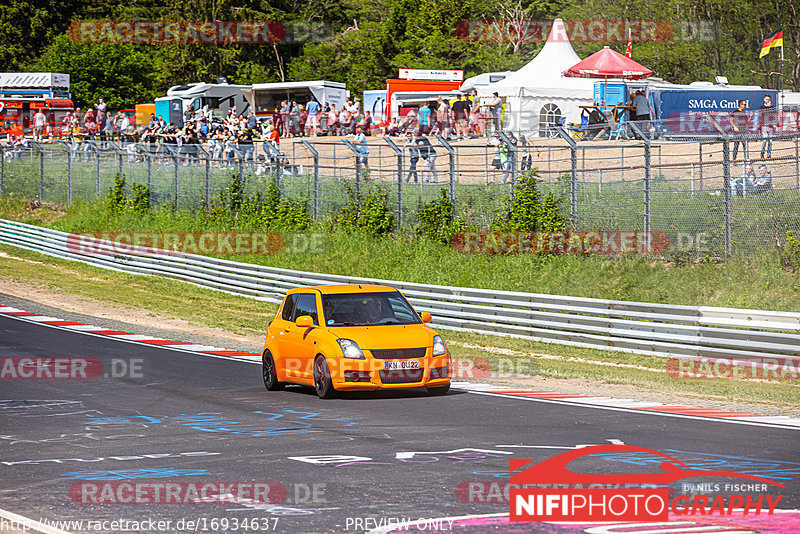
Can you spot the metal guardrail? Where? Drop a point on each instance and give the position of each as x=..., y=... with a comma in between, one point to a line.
x=656, y=329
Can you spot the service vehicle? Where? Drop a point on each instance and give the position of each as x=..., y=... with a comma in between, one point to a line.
x=353, y=337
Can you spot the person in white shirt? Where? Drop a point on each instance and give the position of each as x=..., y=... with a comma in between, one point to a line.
x=360, y=141
x=39, y=121
x=497, y=110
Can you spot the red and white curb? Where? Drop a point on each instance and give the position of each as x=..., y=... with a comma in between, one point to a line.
x=606, y=403
x=128, y=336
x=631, y=405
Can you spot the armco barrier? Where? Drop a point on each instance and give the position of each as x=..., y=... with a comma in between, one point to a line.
x=656, y=329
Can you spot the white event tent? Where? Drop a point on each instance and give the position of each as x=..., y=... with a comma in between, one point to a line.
x=537, y=96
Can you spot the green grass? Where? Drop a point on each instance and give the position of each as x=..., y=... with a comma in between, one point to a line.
x=166, y=299
x=758, y=281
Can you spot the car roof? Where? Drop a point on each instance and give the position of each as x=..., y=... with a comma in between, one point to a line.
x=344, y=288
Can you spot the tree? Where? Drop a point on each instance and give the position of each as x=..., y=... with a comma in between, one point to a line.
x=121, y=74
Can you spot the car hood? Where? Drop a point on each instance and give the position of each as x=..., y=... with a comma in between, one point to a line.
x=409, y=336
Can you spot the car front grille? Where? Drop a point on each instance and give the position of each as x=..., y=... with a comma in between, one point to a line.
x=404, y=376
x=398, y=354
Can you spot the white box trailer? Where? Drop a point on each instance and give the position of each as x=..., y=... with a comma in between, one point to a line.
x=222, y=97
x=266, y=97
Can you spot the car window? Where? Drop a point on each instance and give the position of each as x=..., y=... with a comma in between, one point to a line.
x=288, y=307
x=363, y=309
x=306, y=305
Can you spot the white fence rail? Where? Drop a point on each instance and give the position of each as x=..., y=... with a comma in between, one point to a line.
x=656, y=329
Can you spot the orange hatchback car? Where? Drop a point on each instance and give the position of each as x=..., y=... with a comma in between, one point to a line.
x=353, y=337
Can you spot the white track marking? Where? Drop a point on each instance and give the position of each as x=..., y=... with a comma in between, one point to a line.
x=30, y=524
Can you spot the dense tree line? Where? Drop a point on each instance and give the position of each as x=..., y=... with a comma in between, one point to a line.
x=364, y=42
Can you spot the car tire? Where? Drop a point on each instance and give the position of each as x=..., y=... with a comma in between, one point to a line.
x=322, y=378
x=269, y=373
x=439, y=390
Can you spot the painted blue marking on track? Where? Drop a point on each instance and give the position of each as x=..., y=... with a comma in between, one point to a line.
x=124, y=474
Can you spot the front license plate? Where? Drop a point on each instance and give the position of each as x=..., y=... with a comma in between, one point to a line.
x=400, y=365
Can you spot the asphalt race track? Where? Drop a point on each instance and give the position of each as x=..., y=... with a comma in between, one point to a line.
x=346, y=465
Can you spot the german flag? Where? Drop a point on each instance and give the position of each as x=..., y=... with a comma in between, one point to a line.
x=773, y=40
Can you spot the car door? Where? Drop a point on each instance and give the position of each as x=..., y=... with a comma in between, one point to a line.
x=280, y=328
x=300, y=341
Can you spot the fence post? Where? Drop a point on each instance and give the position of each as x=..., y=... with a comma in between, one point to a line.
x=726, y=191
x=2, y=169
x=241, y=170
x=399, y=153
x=512, y=153
x=69, y=170
x=39, y=149
x=647, y=175
x=120, y=154
x=700, y=164
x=201, y=152
x=352, y=147
x=573, y=183
x=150, y=173
x=797, y=159
x=452, y=168
x=600, y=182
x=486, y=163
x=174, y=152
x=315, y=155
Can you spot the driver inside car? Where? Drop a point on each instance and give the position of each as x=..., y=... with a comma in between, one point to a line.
x=375, y=311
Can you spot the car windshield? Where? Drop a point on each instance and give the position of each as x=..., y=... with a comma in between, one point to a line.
x=367, y=309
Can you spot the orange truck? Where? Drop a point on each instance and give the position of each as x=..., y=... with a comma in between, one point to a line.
x=143, y=112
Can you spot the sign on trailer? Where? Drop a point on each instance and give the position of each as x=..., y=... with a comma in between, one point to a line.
x=422, y=74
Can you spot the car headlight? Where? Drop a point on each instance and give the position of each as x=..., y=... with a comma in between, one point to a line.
x=439, y=348
x=350, y=349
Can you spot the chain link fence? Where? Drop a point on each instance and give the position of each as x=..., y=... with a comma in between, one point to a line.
x=711, y=194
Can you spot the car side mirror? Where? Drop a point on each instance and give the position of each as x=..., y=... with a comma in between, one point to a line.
x=304, y=321
x=426, y=317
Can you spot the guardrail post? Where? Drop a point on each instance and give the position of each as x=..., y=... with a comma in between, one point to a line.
x=399, y=153
x=452, y=168
x=647, y=176
x=726, y=192
x=573, y=183
x=69, y=170
x=315, y=155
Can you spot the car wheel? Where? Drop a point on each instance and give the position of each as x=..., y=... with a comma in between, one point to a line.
x=269, y=374
x=322, y=379
x=440, y=390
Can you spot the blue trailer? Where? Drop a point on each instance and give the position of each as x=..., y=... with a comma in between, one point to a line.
x=704, y=108
x=700, y=108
